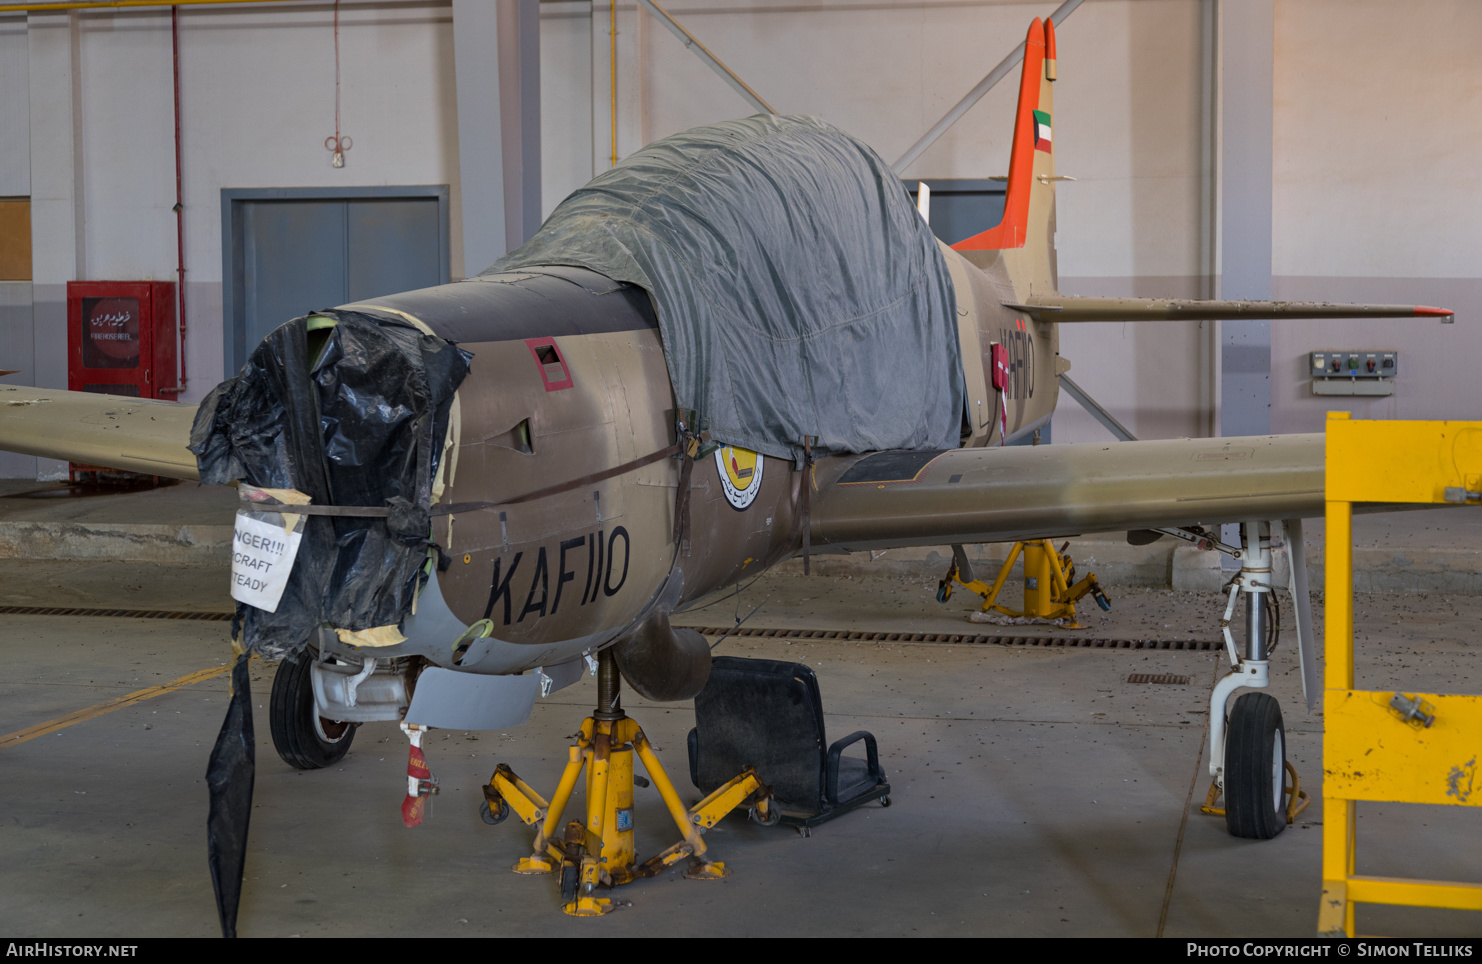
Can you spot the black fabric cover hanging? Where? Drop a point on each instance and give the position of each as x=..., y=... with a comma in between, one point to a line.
x=362, y=424
x=229, y=777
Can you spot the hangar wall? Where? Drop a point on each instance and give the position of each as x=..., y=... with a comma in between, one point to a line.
x=1368, y=95
x=1378, y=196
x=257, y=102
x=1128, y=125
x=1360, y=92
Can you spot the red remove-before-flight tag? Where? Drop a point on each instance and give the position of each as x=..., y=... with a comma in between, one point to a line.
x=414, y=806
x=412, y=809
x=999, y=357
x=417, y=767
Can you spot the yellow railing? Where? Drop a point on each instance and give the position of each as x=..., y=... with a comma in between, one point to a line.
x=1387, y=746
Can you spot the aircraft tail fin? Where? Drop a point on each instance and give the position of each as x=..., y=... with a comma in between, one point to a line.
x=1028, y=224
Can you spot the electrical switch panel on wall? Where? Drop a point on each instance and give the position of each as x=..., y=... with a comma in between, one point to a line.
x=1353, y=372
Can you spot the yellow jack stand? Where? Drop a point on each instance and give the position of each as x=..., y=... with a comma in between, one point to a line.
x=1048, y=593
x=600, y=853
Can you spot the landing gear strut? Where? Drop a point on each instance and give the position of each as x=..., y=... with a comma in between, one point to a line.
x=1248, y=752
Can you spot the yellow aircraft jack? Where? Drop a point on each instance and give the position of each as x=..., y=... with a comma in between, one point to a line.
x=600, y=853
x=1048, y=592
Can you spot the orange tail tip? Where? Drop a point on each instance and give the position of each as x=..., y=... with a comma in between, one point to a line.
x=1049, y=49
x=1434, y=312
x=1031, y=131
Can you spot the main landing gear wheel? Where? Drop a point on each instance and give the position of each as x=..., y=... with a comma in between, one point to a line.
x=303, y=738
x=1255, y=768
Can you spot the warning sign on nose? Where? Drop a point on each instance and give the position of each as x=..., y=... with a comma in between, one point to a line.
x=262, y=558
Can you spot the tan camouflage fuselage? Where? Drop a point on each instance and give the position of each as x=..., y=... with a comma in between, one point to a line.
x=562, y=574
x=566, y=573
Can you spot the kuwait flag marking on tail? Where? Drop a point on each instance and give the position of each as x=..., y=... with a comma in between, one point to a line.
x=1041, y=131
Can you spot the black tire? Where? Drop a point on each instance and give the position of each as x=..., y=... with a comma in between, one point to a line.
x=772, y=819
x=301, y=737
x=492, y=817
x=1255, y=768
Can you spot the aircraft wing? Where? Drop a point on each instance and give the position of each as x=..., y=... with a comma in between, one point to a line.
x=1068, y=309
x=136, y=434
x=890, y=499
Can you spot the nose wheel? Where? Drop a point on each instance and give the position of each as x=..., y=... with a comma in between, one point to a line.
x=304, y=739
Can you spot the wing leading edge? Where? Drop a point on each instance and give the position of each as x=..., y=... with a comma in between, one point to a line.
x=891, y=499
x=136, y=434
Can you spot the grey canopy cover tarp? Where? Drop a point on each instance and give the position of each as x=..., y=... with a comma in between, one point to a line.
x=798, y=291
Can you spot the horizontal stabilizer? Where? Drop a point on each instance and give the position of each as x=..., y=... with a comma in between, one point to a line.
x=1067, y=309
x=134, y=434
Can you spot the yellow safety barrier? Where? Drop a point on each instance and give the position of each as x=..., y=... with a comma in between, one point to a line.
x=1387, y=746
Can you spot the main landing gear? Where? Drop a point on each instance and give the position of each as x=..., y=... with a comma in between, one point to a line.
x=1248, y=750
x=600, y=853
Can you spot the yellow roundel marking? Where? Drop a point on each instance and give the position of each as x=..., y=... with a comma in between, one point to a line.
x=740, y=474
x=467, y=558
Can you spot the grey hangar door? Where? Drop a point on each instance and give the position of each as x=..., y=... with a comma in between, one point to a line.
x=289, y=251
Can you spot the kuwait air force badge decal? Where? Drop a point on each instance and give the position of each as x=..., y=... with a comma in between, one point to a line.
x=740, y=474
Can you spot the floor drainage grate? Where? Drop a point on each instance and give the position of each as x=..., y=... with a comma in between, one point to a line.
x=116, y=613
x=1158, y=678
x=969, y=639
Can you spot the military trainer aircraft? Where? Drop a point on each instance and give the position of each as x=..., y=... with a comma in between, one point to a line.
x=575, y=498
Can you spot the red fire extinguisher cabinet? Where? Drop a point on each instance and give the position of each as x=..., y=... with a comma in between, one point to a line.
x=121, y=338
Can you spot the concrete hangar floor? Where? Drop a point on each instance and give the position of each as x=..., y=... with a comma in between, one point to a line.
x=1036, y=792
